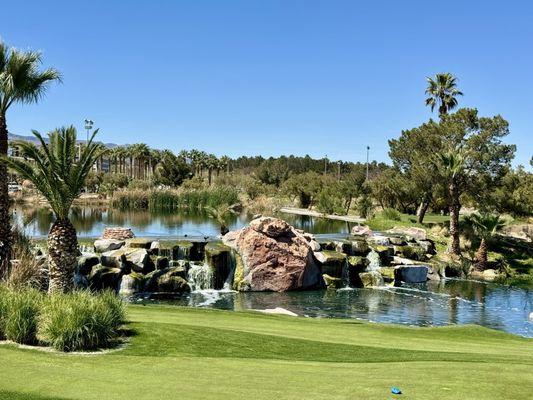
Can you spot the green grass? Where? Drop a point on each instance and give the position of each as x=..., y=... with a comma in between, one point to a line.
x=382, y=221
x=209, y=354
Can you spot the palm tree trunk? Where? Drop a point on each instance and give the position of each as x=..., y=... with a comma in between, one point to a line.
x=62, y=255
x=5, y=227
x=481, y=256
x=455, y=248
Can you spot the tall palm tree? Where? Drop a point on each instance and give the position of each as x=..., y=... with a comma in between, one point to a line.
x=21, y=81
x=59, y=176
x=452, y=164
x=485, y=226
x=443, y=92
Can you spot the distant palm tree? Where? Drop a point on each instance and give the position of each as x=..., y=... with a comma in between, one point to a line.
x=59, y=176
x=485, y=226
x=20, y=82
x=221, y=214
x=442, y=91
x=452, y=164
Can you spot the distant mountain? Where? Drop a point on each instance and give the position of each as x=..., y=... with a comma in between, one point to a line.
x=33, y=139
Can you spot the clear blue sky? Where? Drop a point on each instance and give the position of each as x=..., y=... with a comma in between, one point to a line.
x=272, y=77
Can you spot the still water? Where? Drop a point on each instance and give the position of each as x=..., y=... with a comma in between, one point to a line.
x=91, y=221
x=447, y=302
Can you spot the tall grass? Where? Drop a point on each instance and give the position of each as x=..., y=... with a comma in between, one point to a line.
x=169, y=199
x=80, y=320
x=20, y=309
x=68, y=322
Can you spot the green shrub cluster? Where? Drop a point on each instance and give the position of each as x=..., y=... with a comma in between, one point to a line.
x=168, y=199
x=68, y=322
x=391, y=214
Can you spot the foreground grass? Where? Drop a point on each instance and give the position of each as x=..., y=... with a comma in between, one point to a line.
x=208, y=354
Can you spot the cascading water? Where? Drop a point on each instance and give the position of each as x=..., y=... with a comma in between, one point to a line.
x=374, y=261
x=346, y=274
x=200, y=277
x=228, y=283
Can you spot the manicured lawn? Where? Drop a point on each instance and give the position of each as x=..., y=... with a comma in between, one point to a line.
x=179, y=353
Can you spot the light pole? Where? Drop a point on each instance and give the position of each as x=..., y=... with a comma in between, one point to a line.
x=88, y=125
x=367, y=150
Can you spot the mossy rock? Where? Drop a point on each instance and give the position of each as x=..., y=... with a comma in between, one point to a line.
x=359, y=247
x=239, y=283
x=218, y=257
x=332, y=262
x=385, y=253
x=331, y=282
x=104, y=277
x=139, y=243
x=412, y=252
x=371, y=279
x=387, y=273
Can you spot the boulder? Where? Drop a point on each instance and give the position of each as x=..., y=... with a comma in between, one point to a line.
x=486, y=275
x=387, y=273
x=105, y=245
x=332, y=263
x=275, y=257
x=161, y=262
x=411, y=232
x=131, y=284
x=113, y=258
x=359, y=247
x=371, y=278
x=155, y=246
x=411, y=273
x=104, y=277
x=168, y=280
x=271, y=227
x=356, y=265
x=413, y=252
x=80, y=281
x=331, y=282
x=118, y=233
x=385, y=253
x=343, y=246
x=378, y=240
x=428, y=246
x=218, y=257
x=362, y=230
x=86, y=263
x=139, y=243
x=398, y=240
x=139, y=260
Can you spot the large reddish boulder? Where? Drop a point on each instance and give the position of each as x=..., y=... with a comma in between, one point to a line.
x=275, y=257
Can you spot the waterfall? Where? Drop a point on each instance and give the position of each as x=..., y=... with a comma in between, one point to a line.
x=346, y=274
x=228, y=284
x=200, y=277
x=374, y=261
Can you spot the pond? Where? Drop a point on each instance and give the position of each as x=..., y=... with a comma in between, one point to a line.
x=432, y=304
x=447, y=302
x=90, y=221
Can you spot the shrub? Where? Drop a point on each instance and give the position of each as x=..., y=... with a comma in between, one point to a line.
x=392, y=214
x=21, y=308
x=3, y=310
x=80, y=320
x=24, y=270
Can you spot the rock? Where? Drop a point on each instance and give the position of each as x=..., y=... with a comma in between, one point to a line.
x=411, y=273
x=371, y=278
x=412, y=252
x=387, y=273
x=385, y=254
x=104, y=277
x=411, y=232
x=218, y=257
x=398, y=240
x=362, y=230
x=278, y=310
x=131, y=284
x=169, y=280
x=359, y=247
x=428, y=246
x=378, y=240
x=433, y=274
x=113, y=258
x=271, y=227
x=274, y=256
x=155, y=246
x=80, y=281
x=139, y=243
x=315, y=246
x=487, y=275
x=332, y=263
x=343, y=246
x=139, y=260
x=118, y=233
x=162, y=262
x=105, y=245
x=331, y=282
x=86, y=263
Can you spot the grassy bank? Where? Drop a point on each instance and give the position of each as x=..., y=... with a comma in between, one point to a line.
x=169, y=199
x=209, y=354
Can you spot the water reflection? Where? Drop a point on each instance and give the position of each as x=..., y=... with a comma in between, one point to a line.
x=432, y=304
x=90, y=222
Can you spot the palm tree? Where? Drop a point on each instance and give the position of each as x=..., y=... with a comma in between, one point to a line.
x=221, y=214
x=452, y=164
x=53, y=169
x=485, y=226
x=442, y=91
x=21, y=81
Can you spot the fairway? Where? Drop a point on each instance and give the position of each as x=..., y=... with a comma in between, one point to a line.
x=181, y=353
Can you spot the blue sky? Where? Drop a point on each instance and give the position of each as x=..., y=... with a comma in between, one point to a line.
x=272, y=77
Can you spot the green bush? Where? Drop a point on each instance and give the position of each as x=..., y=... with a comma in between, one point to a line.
x=21, y=310
x=3, y=310
x=392, y=214
x=80, y=320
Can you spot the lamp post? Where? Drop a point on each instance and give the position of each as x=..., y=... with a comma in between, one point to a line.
x=88, y=126
x=367, y=150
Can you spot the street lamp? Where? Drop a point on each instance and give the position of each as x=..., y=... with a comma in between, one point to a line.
x=88, y=125
x=367, y=150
